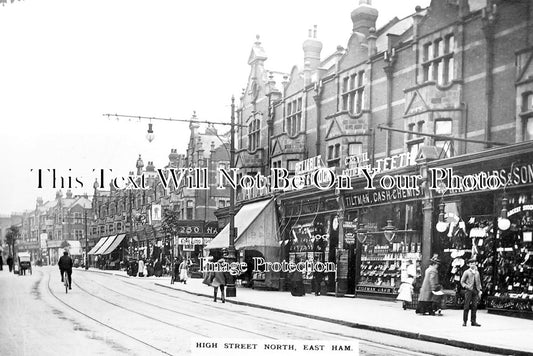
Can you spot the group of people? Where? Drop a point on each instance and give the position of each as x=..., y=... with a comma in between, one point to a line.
x=9, y=261
x=430, y=296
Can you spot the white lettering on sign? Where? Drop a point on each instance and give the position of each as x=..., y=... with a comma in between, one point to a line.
x=393, y=162
x=308, y=165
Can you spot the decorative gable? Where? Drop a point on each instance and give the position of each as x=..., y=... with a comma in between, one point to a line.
x=416, y=104
x=334, y=130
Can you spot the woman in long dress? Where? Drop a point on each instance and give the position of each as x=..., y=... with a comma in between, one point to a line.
x=184, y=268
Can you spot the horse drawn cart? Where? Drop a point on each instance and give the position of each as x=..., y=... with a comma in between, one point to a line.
x=24, y=262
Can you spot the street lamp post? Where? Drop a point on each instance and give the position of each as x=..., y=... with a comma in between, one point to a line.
x=86, y=241
x=231, y=255
x=231, y=291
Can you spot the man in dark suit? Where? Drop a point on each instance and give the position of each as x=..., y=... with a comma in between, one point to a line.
x=471, y=282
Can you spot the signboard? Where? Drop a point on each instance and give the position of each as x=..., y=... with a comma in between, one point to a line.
x=342, y=263
x=308, y=165
x=380, y=197
x=191, y=241
x=354, y=164
x=197, y=228
x=156, y=212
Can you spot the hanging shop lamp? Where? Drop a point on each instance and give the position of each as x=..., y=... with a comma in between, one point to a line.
x=504, y=223
x=441, y=226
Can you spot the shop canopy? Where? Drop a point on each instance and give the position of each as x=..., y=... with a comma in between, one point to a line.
x=114, y=244
x=105, y=245
x=257, y=228
x=98, y=245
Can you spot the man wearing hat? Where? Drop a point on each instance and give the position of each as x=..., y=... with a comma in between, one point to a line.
x=426, y=298
x=471, y=282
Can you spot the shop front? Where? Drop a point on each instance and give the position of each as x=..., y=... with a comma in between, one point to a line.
x=384, y=227
x=257, y=236
x=490, y=219
x=310, y=234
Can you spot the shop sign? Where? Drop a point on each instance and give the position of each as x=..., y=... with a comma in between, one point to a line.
x=308, y=165
x=354, y=164
x=456, y=181
x=380, y=197
x=519, y=209
x=207, y=240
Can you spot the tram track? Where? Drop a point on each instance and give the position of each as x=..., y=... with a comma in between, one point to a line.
x=103, y=323
x=366, y=341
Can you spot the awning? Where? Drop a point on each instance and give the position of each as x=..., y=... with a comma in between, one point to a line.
x=117, y=240
x=98, y=245
x=106, y=244
x=256, y=228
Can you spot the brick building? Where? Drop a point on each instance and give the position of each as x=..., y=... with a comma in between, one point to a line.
x=449, y=86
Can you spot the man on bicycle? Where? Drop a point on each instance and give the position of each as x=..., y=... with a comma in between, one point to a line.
x=65, y=265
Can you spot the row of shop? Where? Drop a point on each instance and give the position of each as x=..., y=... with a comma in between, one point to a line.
x=371, y=234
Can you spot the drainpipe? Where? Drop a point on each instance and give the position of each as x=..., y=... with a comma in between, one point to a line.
x=489, y=19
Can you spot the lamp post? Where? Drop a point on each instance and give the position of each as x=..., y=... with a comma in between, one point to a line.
x=86, y=241
x=231, y=291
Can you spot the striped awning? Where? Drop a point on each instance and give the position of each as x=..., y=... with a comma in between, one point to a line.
x=114, y=244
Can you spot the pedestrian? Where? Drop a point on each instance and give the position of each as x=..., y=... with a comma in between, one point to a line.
x=405, y=293
x=297, y=282
x=218, y=280
x=426, y=299
x=318, y=277
x=10, y=263
x=184, y=269
x=158, y=268
x=471, y=282
x=1, y=263
x=141, y=267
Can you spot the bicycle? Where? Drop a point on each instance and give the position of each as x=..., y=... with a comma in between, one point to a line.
x=66, y=281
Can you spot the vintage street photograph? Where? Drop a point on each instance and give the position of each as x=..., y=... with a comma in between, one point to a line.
x=241, y=177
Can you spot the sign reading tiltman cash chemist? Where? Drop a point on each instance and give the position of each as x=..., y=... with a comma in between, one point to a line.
x=238, y=347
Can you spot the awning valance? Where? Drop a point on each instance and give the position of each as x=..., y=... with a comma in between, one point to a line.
x=114, y=244
x=98, y=245
x=256, y=228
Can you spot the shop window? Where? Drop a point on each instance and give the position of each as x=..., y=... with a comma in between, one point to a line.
x=293, y=117
x=353, y=91
x=221, y=203
x=334, y=155
x=443, y=127
x=253, y=134
x=438, y=61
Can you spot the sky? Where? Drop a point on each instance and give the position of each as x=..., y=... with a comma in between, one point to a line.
x=65, y=63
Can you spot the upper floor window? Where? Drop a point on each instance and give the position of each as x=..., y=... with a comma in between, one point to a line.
x=353, y=91
x=527, y=115
x=119, y=226
x=253, y=134
x=77, y=218
x=443, y=127
x=355, y=149
x=78, y=234
x=293, y=117
x=334, y=154
x=414, y=141
x=189, y=210
x=291, y=166
x=437, y=61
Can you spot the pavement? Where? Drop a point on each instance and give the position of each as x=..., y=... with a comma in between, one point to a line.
x=498, y=334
